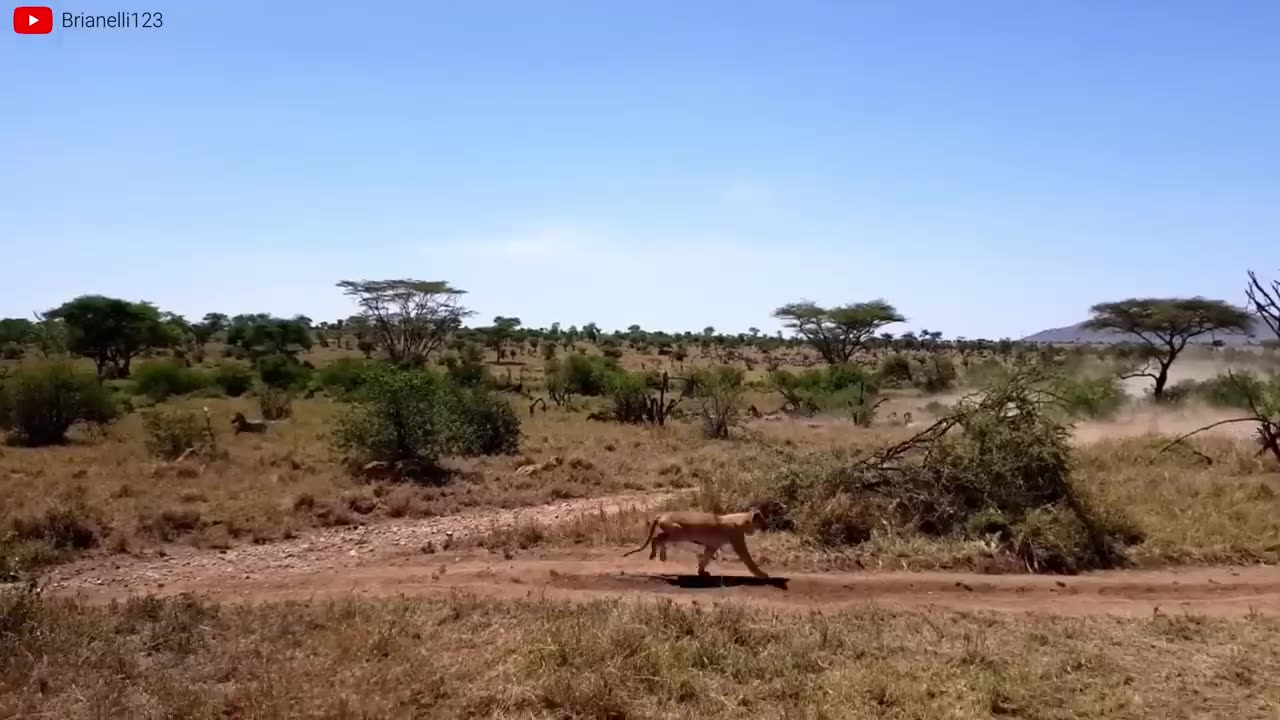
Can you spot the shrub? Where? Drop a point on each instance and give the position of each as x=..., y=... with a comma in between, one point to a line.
x=813, y=390
x=999, y=464
x=283, y=372
x=160, y=379
x=11, y=351
x=342, y=377
x=275, y=404
x=480, y=422
x=1096, y=397
x=234, y=379
x=396, y=418
x=630, y=395
x=1231, y=390
x=467, y=369
x=935, y=374
x=41, y=401
x=172, y=432
x=416, y=415
x=895, y=371
x=583, y=374
x=720, y=391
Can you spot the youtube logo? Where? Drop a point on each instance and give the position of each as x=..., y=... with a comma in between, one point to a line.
x=32, y=20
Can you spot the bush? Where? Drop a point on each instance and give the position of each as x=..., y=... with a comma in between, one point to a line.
x=396, y=418
x=161, y=379
x=895, y=371
x=1096, y=397
x=342, y=377
x=832, y=388
x=1000, y=464
x=630, y=395
x=172, y=432
x=480, y=422
x=467, y=369
x=935, y=374
x=11, y=351
x=720, y=391
x=283, y=372
x=275, y=404
x=416, y=415
x=1230, y=390
x=41, y=401
x=234, y=379
x=581, y=374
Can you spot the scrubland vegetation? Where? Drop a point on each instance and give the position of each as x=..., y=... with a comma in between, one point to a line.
x=862, y=448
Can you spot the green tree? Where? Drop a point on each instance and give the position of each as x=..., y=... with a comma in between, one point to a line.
x=837, y=332
x=261, y=334
x=1165, y=326
x=212, y=324
x=410, y=319
x=18, y=331
x=112, y=331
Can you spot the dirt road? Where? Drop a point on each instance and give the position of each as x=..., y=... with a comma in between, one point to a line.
x=412, y=558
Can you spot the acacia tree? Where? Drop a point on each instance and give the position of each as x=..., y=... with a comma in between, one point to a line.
x=837, y=332
x=410, y=319
x=1166, y=325
x=110, y=330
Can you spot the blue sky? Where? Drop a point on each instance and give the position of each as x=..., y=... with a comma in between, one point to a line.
x=991, y=168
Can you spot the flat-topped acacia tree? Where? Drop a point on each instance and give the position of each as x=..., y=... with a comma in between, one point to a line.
x=837, y=332
x=1166, y=325
x=409, y=319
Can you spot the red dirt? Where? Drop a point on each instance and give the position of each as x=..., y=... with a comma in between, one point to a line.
x=392, y=559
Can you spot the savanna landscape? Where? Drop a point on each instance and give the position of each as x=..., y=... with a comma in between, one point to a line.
x=411, y=512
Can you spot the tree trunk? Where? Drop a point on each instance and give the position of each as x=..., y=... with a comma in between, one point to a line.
x=1162, y=379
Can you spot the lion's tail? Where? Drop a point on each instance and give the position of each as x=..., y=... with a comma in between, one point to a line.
x=652, y=526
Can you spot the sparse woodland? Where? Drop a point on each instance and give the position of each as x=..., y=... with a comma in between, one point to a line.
x=865, y=448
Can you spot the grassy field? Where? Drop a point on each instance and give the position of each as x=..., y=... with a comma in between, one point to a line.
x=1186, y=512
x=105, y=492
x=465, y=657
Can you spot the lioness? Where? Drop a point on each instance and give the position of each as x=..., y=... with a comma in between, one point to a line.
x=243, y=424
x=709, y=530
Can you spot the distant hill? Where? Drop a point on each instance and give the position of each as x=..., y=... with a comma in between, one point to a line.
x=1077, y=334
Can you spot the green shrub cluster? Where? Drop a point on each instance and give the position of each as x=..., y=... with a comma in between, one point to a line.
x=835, y=387
x=42, y=401
x=161, y=379
x=420, y=416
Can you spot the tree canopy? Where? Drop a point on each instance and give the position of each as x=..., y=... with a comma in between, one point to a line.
x=262, y=334
x=112, y=331
x=837, y=332
x=410, y=319
x=1166, y=325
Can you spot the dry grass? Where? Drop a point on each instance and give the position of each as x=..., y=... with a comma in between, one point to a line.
x=106, y=492
x=1187, y=511
x=272, y=486
x=464, y=657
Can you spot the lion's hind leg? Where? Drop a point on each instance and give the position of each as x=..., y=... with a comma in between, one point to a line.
x=705, y=557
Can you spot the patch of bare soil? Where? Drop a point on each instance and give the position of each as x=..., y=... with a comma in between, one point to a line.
x=336, y=549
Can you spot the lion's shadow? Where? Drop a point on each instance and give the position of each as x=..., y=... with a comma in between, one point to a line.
x=697, y=582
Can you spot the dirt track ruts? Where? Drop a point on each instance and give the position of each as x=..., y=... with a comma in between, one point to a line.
x=388, y=559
